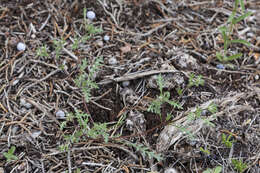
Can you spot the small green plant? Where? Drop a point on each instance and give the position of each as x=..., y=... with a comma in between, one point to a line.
x=226, y=140
x=42, y=51
x=239, y=165
x=195, y=81
x=195, y=115
x=86, y=81
x=227, y=31
x=179, y=91
x=164, y=97
x=145, y=151
x=89, y=28
x=218, y=169
x=212, y=108
x=10, y=154
x=76, y=43
x=58, y=46
x=98, y=129
x=205, y=151
x=77, y=170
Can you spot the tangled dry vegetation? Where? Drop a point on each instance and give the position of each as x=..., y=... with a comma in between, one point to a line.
x=204, y=113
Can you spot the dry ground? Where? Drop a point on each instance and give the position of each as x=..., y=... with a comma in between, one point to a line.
x=147, y=37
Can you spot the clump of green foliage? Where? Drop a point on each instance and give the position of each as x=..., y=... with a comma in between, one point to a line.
x=239, y=165
x=84, y=130
x=227, y=31
x=195, y=80
x=164, y=97
x=10, y=154
x=58, y=45
x=145, y=151
x=86, y=81
x=205, y=151
x=42, y=51
x=227, y=140
x=218, y=169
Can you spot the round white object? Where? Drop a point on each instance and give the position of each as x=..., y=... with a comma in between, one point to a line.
x=126, y=83
x=106, y=38
x=91, y=15
x=33, y=36
x=60, y=114
x=170, y=170
x=28, y=105
x=21, y=46
x=112, y=61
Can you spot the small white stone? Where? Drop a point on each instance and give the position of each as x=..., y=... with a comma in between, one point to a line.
x=100, y=43
x=21, y=46
x=22, y=102
x=33, y=36
x=126, y=83
x=170, y=170
x=28, y=105
x=256, y=77
x=106, y=38
x=60, y=114
x=112, y=61
x=91, y=15
x=36, y=134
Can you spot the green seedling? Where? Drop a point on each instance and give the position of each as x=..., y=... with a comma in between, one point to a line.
x=58, y=46
x=239, y=165
x=86, y=81
x=226, y=140
x=42, y=51
x=76, y=43
x=145, y=151
x=212, y=108
x=10, y=154
x=218, y=169
x=227, y=31
x=195, y=115
x=195, y=81
x=205, y=151
x=164, y=97
x=179, y=91
x=89, y=28
x=83, y=130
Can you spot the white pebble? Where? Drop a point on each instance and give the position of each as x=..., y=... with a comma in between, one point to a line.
x=22, y=102
x=60, y=114
x=36, y=134
x=170, y=170
x=28, y=105
x=33, y=36
x=106, y=38
x=21, y=46
x=126, y=83
x=91, y=15
x=100, y=43
x=112, y=61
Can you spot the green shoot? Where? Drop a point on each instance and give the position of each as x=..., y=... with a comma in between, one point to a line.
x=86, y=81
x=58, y=45
x=164, y=97
x=227, y=31
x=205, y=151
x=218, y=169
x=42, y=51
x=145, y=151
x=226, y=140
x=195, y=81
x=10, y=154
x=239, y=165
